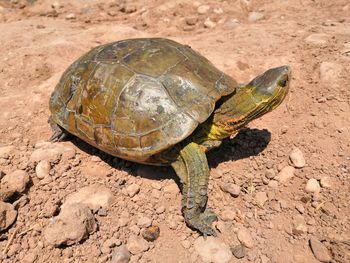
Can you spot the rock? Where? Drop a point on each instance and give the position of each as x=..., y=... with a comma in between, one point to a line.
x=261, y=198
x=233, y=189
x=30, y=257
x=121, y=255
x=172, y=189
x=12, y=183
x=255, y=16
x=264, y=259
x=285, y=174
x=186, y=244
x=209, y=24
x=160, y=210
x=297, y=158
x=191, y=21
x=218, y=11
x=8, y=215
x=52, y=152
x=6, y=151
x=312, y=186
x=13, y=250
x=203, y=9
x=270, y=174
x=330, y=72
x=317, y=38
x=137, y=245
x=299, y=229
x=144, y=221
x=325, y=182
x=300, y=208
x=273, y=184
x=74, y=223
x=128, y=9
x=231, y=24
x=329, y=209
x=42, y=169
x=320, y=251
x=123, y=221
x=212, y=250
x=151, y=233
x=71, y=16
x=96, y=170
x=135, y=230
x=133, y=189
x=102, y=212
x=238, y=251
x=94, y=196
x=245, y=238
x=228, y=215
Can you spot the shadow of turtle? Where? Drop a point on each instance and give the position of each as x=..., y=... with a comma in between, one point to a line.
x=248, y=142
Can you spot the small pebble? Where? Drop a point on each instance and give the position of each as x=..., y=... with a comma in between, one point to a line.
x=255, y=16
x=285, y=174
x=325, y=182
x=261, y=198
x=245, y=238
x=227, y=215
x=312, y=186
x=218, y=10
x=144, y=221
x=121, y=255
x=300, y=208
x=186, y=244
x=42, y=169
x=191, y=21
x=133, y=189
x=160, y=210
x=8, y=215
x=202, y=9
x=319, y=250
x=239, y=251
x=273, y=184
x=297, y=158
x=128, y=9
x=270, y=174
x=137, y=245
x=233, y=189
x=151, y=233
x=209, y=24
x=212, y=250
x=71, y=16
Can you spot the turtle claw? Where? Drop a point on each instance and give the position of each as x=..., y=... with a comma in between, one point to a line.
x=59, y=134
x=202, y=222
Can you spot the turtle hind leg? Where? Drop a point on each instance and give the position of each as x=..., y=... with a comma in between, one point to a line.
x=59, y=134
x=192, y=168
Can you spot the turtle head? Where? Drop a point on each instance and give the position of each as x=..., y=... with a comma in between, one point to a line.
x=268, y=90
x=270, y=87
x=260, y=96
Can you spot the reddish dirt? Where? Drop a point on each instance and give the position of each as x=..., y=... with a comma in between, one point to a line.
x=39, y=40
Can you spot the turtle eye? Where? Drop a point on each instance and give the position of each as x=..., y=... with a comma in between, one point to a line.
x=283, y=82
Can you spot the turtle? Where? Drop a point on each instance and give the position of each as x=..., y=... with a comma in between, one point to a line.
x=156, y=101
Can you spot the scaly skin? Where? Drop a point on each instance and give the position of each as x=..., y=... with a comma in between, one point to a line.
x=260, y=96
x=192, y=168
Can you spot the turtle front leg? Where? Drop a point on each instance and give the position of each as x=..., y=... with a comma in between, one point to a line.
x=192, y=168
x=59, y=134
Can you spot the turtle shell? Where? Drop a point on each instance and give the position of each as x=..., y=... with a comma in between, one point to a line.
x=137, y=97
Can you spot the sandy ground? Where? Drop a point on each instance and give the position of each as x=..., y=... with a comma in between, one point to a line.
x=243, y=38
